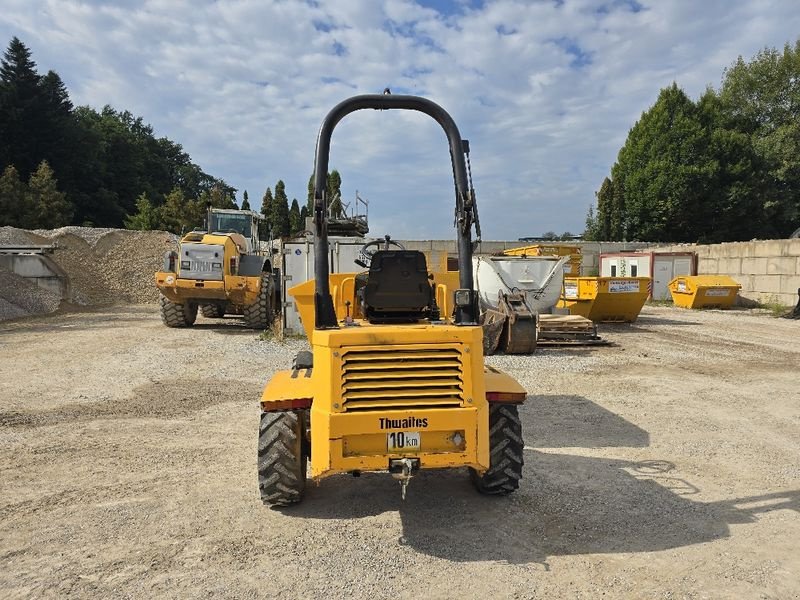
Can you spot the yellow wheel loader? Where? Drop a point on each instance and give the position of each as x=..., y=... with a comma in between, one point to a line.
x=395, y=380
x=219, y=270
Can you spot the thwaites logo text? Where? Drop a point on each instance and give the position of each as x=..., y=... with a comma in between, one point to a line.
x=406, y=423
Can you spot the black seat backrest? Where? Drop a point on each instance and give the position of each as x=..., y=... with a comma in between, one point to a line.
x=398, y=288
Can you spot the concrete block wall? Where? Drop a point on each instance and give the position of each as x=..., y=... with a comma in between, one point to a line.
x=768, y=270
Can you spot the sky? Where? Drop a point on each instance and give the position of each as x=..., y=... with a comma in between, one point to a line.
x=545, y=91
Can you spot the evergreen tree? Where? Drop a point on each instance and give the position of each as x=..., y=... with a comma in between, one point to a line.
x=303, y=215
x=266, y=212
x=15, y=207
x=280, y=211
x=310, y=197
x=51, y=207
x=245, y=201
x=20, y=104
x=335, y=195
x=295, y=221
x=147, y=217
x=605, y=210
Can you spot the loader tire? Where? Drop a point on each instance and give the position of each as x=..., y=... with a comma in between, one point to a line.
x=213, y=311
x=505, y=447
x=259, y=314
x=177, y=315
x=282, y=458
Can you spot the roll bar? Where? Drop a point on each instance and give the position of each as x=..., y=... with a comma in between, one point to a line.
x=466, y=308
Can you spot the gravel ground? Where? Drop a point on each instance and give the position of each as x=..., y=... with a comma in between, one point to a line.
x=663, y=466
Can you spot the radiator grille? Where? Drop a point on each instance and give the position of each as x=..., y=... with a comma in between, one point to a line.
x=374, y=379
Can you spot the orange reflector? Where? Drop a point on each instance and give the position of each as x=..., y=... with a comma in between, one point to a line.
x=506, y=397
x=286, y=404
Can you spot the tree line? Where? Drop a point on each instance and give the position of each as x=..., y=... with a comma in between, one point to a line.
x=63, y=165
x=723, y=168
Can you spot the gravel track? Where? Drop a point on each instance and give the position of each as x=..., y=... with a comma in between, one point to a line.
x=663, y=466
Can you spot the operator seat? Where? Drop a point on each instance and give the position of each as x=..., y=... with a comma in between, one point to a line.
x=397, y=289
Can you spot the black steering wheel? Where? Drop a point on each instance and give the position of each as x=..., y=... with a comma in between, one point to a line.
x=368, y=250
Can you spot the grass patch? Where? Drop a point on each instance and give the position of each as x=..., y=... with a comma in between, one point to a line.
x=774, y=308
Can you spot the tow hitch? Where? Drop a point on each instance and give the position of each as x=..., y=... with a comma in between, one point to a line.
x=403, y=470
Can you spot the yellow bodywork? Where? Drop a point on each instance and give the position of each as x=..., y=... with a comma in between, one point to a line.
x=371, y=380
x=704, y=291
x=236, y=289
x=603, y=299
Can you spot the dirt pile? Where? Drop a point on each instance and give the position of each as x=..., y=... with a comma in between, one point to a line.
x=104, y=266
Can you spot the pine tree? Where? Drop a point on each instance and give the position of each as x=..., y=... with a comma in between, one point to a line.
x=303, y=215
x=310, y=197
x=245, y=201
x=51, y=207
x=335, y=195
x=20, y=104
x=147, y=217
x=295, y=221
x=15, y=207
x=280, y=211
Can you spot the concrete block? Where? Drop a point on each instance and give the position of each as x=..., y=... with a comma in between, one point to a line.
x=790, y=284
x=443, y=245
x=754, y=266
x=793, y=248
x=707, y=266
x=770, y=248
x=31, y=265
x=767, y=284
x=782, y=265
x=730, y=266
x=747, y=282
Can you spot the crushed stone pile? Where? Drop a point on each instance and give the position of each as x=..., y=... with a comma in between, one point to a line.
x=103, y=266
x=20, y=297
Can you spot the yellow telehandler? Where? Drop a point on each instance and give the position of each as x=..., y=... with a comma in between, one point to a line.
x=220, y=270
x=395, y=379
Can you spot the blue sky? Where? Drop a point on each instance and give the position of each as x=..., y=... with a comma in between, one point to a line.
x=545, y=91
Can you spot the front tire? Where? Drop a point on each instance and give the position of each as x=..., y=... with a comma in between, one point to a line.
x=282, y=455
x=177, y=315
x=506, y=448
x=259, y=314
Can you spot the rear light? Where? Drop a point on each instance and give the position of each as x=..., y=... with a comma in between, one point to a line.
x=185, y=264
x=172, y=258
x=506, y=397
x=233, y=265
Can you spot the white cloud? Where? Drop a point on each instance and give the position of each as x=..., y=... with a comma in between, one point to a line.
x=545, y=91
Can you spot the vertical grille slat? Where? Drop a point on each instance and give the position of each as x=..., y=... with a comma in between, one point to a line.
x=374, y=378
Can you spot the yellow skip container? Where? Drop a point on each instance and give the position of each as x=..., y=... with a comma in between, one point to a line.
x=603, y=299
x=704, y=291
x=572, y=267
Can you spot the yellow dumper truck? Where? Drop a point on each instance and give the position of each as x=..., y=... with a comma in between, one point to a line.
x=220, y=270
x=395, y=379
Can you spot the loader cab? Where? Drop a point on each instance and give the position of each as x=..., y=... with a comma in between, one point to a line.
x=244, y=222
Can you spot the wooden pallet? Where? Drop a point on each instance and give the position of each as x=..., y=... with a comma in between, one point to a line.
x=567, y=330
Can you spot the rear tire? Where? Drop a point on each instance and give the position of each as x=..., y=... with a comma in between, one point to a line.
x=259, y=314
x=213, y=311
x=506, y=448
x=282, y=455
x=177, y=315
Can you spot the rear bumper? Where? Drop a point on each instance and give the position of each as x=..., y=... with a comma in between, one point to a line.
x=239, y=290
x=358, y=441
